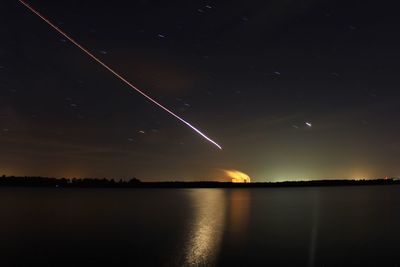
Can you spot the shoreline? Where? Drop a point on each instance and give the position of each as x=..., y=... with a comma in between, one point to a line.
x=12, y=181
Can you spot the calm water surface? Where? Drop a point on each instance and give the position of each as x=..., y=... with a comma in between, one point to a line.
x=329, y=226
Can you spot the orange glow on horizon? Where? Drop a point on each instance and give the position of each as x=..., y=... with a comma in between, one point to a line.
x=237, y=176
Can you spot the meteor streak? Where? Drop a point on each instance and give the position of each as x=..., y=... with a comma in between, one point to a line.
x=118, y=75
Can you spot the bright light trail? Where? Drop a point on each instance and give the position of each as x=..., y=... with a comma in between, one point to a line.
x=116, y=74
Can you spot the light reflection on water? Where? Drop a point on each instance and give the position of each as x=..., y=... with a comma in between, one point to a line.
x=239, y=211
x=206, y=230
x=343, y=226
x=215, y=211
x=314, y=230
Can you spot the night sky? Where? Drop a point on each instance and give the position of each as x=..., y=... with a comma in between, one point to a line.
x=291, y=89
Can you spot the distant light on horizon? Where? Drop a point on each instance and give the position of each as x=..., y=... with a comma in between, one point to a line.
x=237, y=176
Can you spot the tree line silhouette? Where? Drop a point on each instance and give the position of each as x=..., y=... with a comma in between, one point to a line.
x=64, y=182
x=38, y=181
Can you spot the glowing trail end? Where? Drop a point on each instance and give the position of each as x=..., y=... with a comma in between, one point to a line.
x=118, y=75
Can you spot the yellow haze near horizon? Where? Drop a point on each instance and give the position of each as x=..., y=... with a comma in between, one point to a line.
x=237, y=176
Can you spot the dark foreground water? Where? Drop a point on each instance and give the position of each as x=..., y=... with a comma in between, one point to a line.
x=336, y=226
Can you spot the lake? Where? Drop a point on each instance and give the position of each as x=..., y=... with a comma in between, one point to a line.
x=315, y=226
